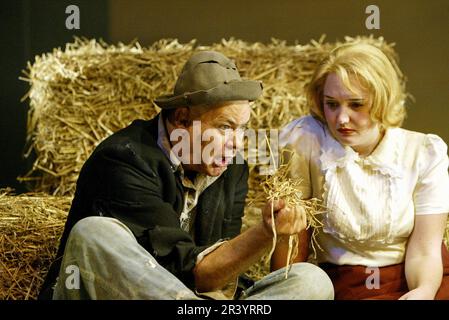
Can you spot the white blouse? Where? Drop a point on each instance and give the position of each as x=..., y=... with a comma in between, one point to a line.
x=370, y=202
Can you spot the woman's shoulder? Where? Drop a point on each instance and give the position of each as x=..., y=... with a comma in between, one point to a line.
x=306, y=123
x=422, y=141
x=306, y=127
x=422, y=149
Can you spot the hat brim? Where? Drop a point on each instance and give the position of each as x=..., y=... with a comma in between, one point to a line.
x=230, y=91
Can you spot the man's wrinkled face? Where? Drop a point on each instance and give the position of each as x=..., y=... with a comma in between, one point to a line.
x=220, y=137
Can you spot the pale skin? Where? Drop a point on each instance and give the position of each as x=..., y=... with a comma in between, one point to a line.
x=234, y=257
x=351, y=109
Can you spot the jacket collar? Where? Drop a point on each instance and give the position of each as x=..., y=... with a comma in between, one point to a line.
x=163, y=141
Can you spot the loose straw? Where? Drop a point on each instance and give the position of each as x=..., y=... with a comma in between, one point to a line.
x=293, y=239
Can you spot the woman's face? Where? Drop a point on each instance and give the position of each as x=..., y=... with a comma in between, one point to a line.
x=347, y=115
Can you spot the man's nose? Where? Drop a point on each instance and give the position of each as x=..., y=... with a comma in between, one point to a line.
x=239, y=136
x=235, y=140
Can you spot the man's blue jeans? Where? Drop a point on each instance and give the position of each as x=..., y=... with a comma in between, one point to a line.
x=103, y=260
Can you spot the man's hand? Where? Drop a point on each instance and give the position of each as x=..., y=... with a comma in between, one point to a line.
x=235, y=256
x=288, y=220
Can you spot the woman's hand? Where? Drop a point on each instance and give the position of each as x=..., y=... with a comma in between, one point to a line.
x=420, y=293
x=288, y=220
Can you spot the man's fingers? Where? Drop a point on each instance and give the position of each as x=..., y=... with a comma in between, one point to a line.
x=276, y=204
x=290, y=220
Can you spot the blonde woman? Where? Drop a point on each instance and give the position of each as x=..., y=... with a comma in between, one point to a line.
x=385, y=188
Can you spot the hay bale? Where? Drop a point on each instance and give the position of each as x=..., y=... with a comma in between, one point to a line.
x=31, y=225
x=81, y=95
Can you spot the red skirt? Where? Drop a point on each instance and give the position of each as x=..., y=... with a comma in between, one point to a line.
x=350, y=281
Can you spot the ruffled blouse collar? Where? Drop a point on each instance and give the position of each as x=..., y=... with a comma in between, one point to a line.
x=385, y=158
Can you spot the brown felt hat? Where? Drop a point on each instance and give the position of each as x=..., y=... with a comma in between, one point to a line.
x=209, y=78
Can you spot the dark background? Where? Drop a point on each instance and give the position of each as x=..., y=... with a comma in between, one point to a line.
x=419, y=28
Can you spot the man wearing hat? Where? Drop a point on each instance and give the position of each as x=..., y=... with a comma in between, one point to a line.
x=149, y=222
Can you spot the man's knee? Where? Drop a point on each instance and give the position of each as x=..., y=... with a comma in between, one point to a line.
x=91, y=228
x=312, y=279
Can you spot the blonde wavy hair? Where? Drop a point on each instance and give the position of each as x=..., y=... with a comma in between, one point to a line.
x=374, y=71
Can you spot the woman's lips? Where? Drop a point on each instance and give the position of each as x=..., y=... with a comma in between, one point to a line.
x=345, y=131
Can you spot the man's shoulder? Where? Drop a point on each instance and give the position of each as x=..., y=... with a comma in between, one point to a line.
x=139, y=139
x=134, y=147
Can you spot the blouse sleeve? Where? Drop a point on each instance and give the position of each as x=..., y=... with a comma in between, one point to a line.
x=431, y=194
x=298, y=137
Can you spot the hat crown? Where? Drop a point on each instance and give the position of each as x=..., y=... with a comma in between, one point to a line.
x=206, y=70
x=209, y=78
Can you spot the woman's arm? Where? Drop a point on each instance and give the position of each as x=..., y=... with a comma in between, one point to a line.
x=423, y=264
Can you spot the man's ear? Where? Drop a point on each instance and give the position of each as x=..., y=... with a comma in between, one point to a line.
x=182, y=117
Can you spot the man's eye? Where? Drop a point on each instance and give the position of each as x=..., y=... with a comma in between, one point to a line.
x=225, y=127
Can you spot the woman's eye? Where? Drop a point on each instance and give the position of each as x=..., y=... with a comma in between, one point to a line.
x=356, y=105
x=225, y=127
x=331, y=104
